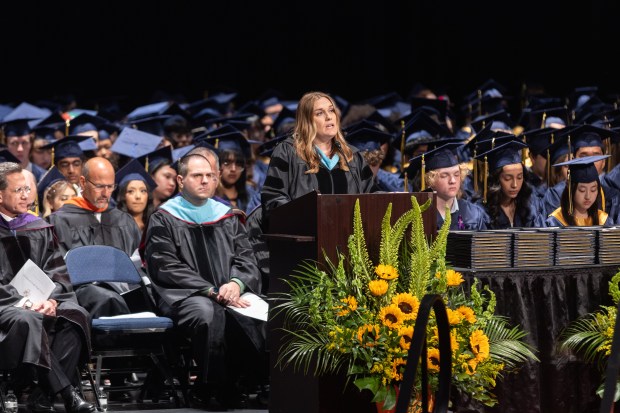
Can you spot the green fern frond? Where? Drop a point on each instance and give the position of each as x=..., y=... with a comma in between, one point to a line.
x=420, y=262
x=308, y=346
x=359, y=258
x=386, y=234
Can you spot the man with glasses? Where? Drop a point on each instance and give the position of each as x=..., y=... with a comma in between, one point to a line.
x=42, y=341
x=89, y=219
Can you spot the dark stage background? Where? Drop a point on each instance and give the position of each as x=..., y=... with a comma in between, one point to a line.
x=128, y=50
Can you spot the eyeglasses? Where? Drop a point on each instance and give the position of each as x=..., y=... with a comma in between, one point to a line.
x=101, y=187
x=21, y=190
x=229, y=164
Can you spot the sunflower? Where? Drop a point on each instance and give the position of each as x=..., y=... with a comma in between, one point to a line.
x=470, y=366
x=396, y=368
x=453, y=278
x=408, y=304
x=351, y=305
x=378, y=287
x=391, y=316
x=454, y=341
x=433, y=359
x=368, y=335
x=467, y=313
x=480, y=345
x=454, y=317
x=406, y=335
x=386, y=272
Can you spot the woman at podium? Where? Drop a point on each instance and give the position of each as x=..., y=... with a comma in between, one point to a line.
x=315, y=157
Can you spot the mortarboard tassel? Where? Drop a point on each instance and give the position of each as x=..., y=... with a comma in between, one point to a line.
x=422, y=175
x=402, y=156
x=608, y=151
x=475, y=167
x=217, y=143
x=549, y=162
x=570, y=150
x=570, y=195
x=486, y=168
x=52, y=163
x=146, y=164
x=523, y=154
x=67, y=123
x=544, y=118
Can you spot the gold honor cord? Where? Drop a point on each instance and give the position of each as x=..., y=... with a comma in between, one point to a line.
x=600, y=187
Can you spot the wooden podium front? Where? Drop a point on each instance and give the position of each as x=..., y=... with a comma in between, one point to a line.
x=304, y=229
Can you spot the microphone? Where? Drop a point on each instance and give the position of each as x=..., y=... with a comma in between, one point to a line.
x=355, y=178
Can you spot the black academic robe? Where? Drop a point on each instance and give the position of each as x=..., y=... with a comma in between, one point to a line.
x=470, y=217
x=534, y=218
x=286, y=178
x=183, y=259
x=26, y=336
x=75, y=227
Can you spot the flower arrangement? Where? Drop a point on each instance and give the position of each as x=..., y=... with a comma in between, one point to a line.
x=591, y=335
x=359, y=317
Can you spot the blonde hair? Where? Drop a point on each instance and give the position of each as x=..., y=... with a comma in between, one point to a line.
x=305, y=132
x=431, y=176
x=52, y=192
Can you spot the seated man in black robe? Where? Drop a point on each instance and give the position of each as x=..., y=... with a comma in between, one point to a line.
x=200, y=263
x=42, y=341
x=90, y=220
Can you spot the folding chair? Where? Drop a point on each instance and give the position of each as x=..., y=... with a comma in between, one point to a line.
x=138, y=338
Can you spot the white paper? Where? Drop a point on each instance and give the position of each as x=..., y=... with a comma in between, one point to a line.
x=146, y=314
x=258, y=307
x=32, y=283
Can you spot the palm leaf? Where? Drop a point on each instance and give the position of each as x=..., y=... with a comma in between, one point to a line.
x=506, y=344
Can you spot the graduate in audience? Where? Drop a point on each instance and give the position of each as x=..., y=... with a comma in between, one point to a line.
x=443, y=174
x=581, y=203
x=506, y=195
x=133, y=193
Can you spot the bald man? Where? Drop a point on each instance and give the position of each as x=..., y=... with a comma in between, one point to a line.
x=90, y=220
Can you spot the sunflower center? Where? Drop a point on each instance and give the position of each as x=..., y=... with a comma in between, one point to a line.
x=405, y=308
x=391, y=318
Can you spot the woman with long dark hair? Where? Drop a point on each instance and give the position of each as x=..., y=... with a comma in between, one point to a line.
x=133, y=195
x=581, y=203
x=506, y=195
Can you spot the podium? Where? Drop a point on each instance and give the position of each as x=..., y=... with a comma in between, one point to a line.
x=307, y=228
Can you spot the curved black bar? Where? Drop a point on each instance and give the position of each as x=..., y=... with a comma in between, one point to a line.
x=611, y=373
x=418, y=349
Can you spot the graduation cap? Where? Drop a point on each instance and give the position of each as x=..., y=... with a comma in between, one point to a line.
x=225, y=128
x=85, y=122
x=50, y=177
x=285, y=116
x=134, y=171
x=589, y=135
x=490, y=88
x=6, y=156
x=500, y=156
x=220, y=103
x=135, y=143
x=27, y=111
x=436, y=108
x=582, y=170
x=155, y=109
x=538, y=140
x=206, y=115
x=546, y=117
x=153, y=125
x=16, y=127
x=266, y=148
x=419, y=130
x=178, y=124
x=499, y=120
x=368, y=139
x=377, y=117
x=440, y=157
x=342, y=104
x=69, y=147
x=153, y=160
x=233, y=141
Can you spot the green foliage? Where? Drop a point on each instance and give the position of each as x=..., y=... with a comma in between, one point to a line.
x=359, y=318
